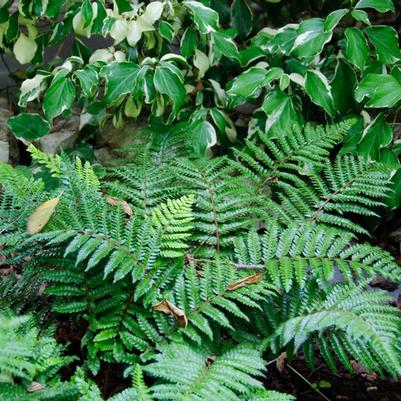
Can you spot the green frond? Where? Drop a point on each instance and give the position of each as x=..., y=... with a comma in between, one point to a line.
x=51, y=162
x=19, y=197
x=297, y=152
x=174, y=220
x=349, y=187
x=224, y=204
x=143, y=182
x=266, y=395
x=346, y=322
x=293, y=255
x=26, y=358
x=138, y=383
x=195, y=373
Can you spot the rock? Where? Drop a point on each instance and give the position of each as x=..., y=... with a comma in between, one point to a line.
x=119, y=137
x=8, y=143
x=105, y=155
x=63, y=136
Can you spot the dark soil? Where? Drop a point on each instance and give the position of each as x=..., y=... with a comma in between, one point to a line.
x=343, y=386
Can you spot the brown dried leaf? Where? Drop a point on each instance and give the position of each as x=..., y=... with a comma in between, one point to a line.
x=254, y=278
x=40, y=217
x=280, y=362
x=35, y=386
x=125, y=206
x=170, y=309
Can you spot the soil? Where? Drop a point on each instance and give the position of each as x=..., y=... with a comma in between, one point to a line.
x=343, y=386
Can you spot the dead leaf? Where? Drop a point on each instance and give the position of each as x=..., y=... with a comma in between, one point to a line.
x=254, y=278
x=280, y=362
x=40, y=217
x=35, y=386
x=170, y=309
x=125, y=206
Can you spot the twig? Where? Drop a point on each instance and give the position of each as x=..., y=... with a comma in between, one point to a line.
x=307, y=381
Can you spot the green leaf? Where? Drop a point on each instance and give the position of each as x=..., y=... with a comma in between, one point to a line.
x=203, y=136
x=189, y=42
x=334, y=18
x=224, y=123
x=87, y=12
x=166, y=30
x=123, y=6
x=394, y=200
x=378, y=134
x=319, y=90
x=28, y=126
x=241, y=17
x=311, y=38
x=121, y=79
x=343, y=86
x=88, y=80
x=382, y=90
x=59, y=96
x=223, y=45
x=169, y=81
x=385, y=40
x=379, y=5
x=280, y=111
x=206, y=19
x=361, y=15
x=248, y=82
x=357, y=49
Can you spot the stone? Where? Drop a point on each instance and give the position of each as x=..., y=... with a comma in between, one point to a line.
x=118, y=137
x=8, y=143
x=63, y=136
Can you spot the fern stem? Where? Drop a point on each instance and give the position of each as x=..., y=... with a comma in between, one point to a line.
x=315, y=215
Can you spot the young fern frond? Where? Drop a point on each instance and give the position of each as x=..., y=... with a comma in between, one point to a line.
x=293, y=255
x=174, y=220
x=350, y=186
x=51, y=162
x=346, y=322
x=297, y=152
x=205, y=375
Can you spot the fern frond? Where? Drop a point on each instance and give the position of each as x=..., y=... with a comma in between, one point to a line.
x=194, y=373
x=174, y=220
x=298, y=151
x=270, y=395
x=345, y=321
x=51, y=162
x=293, y=255
x=224, y=204
x=143, y=183
x=350, y=186
x=28, y=357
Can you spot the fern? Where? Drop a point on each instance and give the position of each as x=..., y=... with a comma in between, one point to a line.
x=295, y=152
x=19, y=196
x=291, y=256
x=142, y=182
x=265, y=395
x=204, y=376
x=174, y=220
x=223, y=205
x=31, y=360
x=345, y=321
x=349, y=186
